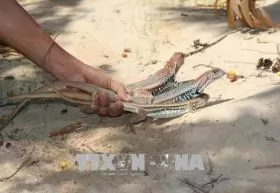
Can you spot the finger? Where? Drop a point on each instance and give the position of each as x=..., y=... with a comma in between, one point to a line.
x=120, y=90
x=87, y=109
x=103, y=112
x=96, y=101
x=116, y=109
x=104, y=99
x=100, y=104
x=123, y=96
x=94, y=107
x=106, y=82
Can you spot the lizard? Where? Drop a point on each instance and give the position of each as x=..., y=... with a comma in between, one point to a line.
x=180, y=99
x=190, y=89
x=176, y=60
x=165, y=105
x=165, y=82
x=161, y=77
x=143, y=91
x=156, y=111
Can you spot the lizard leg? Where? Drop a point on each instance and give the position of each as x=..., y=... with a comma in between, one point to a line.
x=203, y=99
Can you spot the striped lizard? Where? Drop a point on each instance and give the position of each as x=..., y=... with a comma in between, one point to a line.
x=158, y=110
x=139, y=94
x=143, y=91
x=173, y=102
x=187, y=96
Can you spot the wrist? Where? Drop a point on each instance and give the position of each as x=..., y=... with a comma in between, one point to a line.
x=62, y=65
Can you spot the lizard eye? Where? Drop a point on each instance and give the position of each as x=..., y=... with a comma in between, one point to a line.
x=218, y=72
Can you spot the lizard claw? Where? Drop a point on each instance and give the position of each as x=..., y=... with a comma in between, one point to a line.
x=201, y=101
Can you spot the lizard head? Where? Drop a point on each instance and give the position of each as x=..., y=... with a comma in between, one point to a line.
x=208, y=77
x=215, y=73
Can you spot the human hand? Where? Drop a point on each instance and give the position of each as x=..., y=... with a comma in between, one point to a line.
x=101, y=103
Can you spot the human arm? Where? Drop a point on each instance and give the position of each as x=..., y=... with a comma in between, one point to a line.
x=21, y=32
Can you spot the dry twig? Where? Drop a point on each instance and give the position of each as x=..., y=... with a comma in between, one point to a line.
x=274, y=166
x=207, y=45
x=195, y=187
x=25, y=163
x=214, y=180
x=67, y=129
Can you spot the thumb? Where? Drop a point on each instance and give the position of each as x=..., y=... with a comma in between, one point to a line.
x=120, y=90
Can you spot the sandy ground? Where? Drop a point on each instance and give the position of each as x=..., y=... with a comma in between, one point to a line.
x=236, y=135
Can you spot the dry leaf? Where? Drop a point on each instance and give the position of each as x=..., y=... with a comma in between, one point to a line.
x=231, y=75
x=124, y=55
x=127, y=50
x=64, y=164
